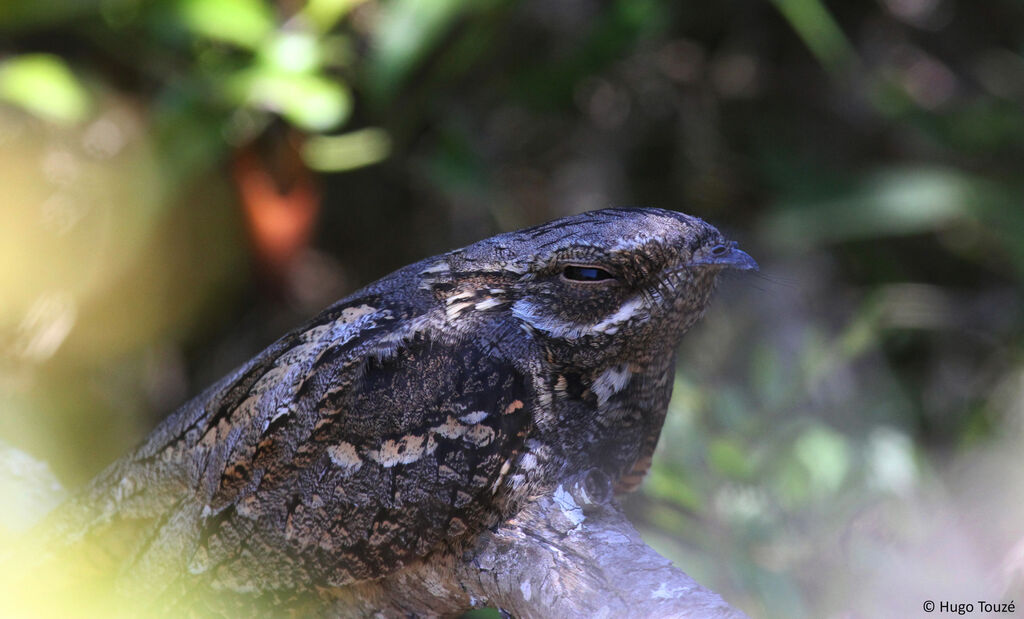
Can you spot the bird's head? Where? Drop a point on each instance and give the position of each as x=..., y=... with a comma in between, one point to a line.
x=606, y=284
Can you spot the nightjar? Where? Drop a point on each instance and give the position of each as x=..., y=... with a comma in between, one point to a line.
x=410, y=415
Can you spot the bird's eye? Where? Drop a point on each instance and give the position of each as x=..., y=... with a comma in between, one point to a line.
x=578, y=273
x=719, y=250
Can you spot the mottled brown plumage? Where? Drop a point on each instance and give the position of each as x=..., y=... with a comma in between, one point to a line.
x=408, y=416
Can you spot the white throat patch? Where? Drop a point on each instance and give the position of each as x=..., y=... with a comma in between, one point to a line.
x=527, y=312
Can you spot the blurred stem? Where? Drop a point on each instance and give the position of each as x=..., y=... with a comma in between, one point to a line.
x=820, y=32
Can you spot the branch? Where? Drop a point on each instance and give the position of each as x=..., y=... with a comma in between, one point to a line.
x=569, y=554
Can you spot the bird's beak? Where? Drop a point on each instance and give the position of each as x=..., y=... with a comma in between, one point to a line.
x=737, y=259
x=734, y=258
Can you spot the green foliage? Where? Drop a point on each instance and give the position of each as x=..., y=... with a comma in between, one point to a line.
x=43, y=85
x=246, y=23
x=405, y=35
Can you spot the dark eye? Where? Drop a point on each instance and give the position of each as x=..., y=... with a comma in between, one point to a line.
x=585, y=273
x=719, y=250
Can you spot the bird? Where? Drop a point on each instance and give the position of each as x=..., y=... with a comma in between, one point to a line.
x=411, y=415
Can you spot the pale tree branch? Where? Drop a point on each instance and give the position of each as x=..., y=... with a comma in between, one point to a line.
x=569, y=554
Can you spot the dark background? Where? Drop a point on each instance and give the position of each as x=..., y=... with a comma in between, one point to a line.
x=182, y=181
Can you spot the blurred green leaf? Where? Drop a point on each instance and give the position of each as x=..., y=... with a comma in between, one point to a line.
x=890, y=202
x=671, y=485
x=825, y=455
x=729, y=458
x=43, y=85
x=351, y=150
x=242, y=22
x=310, y=102
x=291, y=52
x=407, y=28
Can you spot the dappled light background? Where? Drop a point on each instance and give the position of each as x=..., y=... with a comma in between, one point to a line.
x=182, y=181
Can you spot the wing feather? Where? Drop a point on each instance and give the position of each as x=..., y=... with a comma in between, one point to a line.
x=375, y=460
